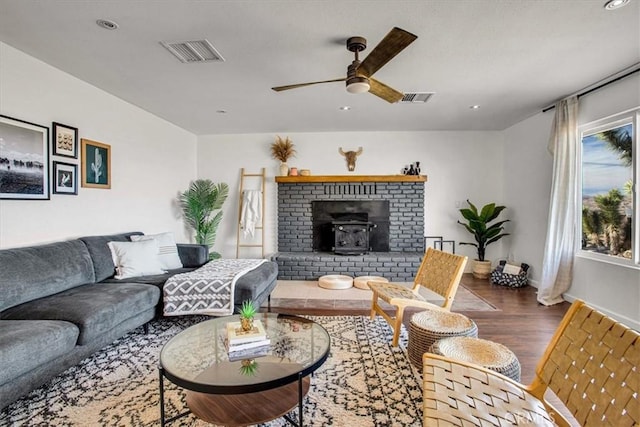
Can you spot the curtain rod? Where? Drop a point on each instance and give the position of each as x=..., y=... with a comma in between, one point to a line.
x=600, y=86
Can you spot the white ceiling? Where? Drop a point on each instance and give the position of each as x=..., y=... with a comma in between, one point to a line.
x=512, y=57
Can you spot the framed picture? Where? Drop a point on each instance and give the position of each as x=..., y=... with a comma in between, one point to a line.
x=24, y=160
x=65, y=178
x=65, y=140
x=96, y=164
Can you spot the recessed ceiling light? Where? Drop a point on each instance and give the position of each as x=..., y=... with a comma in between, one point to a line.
x=615, y=4
x=345, y=108
x=107, y=24
x=474, y=107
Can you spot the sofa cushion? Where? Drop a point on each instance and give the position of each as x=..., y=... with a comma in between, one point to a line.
x=192, y=255
x=38, y=271
x=255, y=282
x=95, y=308
x=101, y=254
x=133, y=259
x=27, y=344
x=157, y=280
x=167, y=249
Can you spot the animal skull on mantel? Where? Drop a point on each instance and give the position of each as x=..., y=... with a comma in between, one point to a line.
x=351, y=157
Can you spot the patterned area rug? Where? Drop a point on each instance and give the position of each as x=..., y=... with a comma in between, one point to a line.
x=364, y=383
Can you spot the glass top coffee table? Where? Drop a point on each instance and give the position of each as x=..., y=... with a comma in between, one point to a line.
x=250, y=390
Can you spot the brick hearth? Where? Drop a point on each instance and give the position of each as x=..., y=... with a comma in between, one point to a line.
x=296, y=259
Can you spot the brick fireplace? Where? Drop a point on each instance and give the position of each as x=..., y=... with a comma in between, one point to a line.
x=298, y=260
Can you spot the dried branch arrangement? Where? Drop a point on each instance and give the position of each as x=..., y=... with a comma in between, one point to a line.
x=282, y=149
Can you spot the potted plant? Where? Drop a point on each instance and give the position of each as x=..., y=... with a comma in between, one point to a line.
x=282, y=149
x=483, y=232
x=247, y=313
x=199, y=203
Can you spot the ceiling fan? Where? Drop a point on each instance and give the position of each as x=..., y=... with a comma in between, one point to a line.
x=359, y=73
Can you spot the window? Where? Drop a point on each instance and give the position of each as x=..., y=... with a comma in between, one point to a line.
x=609, y=181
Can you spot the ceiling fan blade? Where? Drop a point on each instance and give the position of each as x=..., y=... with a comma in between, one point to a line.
x=391, y=45
x=281, y=88
x=383, y=91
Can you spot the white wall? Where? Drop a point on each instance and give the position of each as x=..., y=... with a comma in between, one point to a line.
x=151, y=159
x=528, y=168
x=612, y=288
x=459, y=165
x=527, y=171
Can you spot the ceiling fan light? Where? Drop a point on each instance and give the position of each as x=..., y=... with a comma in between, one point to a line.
x=358, y=85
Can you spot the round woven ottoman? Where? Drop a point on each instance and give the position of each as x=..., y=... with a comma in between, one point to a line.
x=488, y=354
x=335, y=281
x=360, y=282
x=427, y=327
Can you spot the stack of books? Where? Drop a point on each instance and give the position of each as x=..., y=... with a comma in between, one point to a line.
x=243, y=344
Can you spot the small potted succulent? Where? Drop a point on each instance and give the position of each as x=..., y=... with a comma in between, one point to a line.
x=247, y=313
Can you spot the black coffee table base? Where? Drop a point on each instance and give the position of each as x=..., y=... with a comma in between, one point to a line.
x=244, y=408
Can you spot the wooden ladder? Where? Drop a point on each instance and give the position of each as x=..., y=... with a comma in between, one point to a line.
x=262, y=178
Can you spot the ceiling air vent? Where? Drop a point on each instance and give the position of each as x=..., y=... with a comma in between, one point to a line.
x=193, y=51
x=416, y=97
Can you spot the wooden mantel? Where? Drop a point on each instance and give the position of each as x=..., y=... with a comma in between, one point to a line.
x=350, y=178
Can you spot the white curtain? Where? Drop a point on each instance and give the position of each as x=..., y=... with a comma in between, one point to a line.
x=557, y=264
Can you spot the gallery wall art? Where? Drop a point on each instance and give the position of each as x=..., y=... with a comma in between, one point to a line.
x=65, y=178
x=65, y=140
x=96, y=164
x=24, y=160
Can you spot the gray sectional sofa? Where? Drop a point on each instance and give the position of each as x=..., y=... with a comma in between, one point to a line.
x=59, y=303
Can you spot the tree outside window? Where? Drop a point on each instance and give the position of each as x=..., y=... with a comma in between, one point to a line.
x=608, y=182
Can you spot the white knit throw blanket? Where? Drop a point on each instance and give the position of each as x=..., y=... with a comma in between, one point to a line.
x=207, y=290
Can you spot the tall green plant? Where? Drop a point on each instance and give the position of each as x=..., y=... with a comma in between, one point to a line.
x=592, y=226
x=199, y=203
x=478, y=225
x=609, y=205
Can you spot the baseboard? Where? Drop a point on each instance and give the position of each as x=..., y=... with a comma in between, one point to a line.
x=633, y=324
x=534, y=283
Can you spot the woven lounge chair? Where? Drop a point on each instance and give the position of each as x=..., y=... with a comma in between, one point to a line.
x=591, y=364
x=439, y=271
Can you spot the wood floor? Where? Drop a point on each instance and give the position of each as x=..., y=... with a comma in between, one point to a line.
x=520, y=323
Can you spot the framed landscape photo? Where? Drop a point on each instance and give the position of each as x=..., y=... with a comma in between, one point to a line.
x=24, y=160
x=65, y=141
x=65, y=178
x=96, y=164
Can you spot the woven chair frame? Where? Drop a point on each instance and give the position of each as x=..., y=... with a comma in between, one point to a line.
x=460, y=394
x=439, y=271
x=593, y=367
x=591, y=364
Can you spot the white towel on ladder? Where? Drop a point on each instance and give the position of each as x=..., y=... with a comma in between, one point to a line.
x=251, y=212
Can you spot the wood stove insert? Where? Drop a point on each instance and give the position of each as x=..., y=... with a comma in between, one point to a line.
x=350, y=227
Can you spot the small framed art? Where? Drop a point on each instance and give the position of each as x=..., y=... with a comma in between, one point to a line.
x=96, y=164
x=65, y=141
x=24, y=160
x=65, y=178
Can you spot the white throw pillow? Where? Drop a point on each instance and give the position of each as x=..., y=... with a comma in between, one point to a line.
x=133, y=259
x=168, y=252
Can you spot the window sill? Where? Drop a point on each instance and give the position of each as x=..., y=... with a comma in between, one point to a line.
x=621, y=262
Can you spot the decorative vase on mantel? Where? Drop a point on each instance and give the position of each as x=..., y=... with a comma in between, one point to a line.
x=284, y=169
